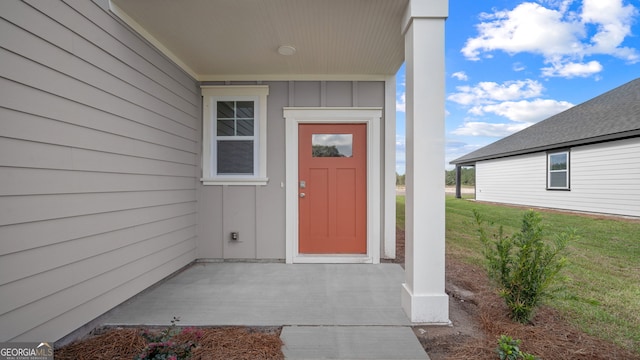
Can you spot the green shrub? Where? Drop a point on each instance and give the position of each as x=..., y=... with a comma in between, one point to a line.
x=509, y=349
x=523, y=265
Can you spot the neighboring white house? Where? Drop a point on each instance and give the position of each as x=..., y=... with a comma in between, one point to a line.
x=586, y=158
x=139, y=136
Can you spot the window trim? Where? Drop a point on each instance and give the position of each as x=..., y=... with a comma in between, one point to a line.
x=568, y=170
x=214, y=93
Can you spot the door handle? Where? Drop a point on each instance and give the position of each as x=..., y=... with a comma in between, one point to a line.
x=302, y=195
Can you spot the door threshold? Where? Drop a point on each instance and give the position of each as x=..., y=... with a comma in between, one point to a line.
x=332, y=259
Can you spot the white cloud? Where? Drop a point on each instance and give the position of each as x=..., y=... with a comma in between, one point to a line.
x=489, y=92
x=401, y=143
x=460, y=147
x=613, y=21
x=561, y=35
x=529, y=27
x=562, y=5
x=571, y=70
x=516, y=101
x=489, y=129
x=523, y=111
x=401, y=104
x=519, y=66
x=460, y=75
x=456, y=149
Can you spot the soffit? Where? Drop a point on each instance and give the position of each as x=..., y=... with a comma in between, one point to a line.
x=241, y=37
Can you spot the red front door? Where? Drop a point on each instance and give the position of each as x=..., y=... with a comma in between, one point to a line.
x=332, y=188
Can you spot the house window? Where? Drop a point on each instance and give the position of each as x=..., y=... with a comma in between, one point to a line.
x=332, y=145
x=234, y=141
x=558, y=170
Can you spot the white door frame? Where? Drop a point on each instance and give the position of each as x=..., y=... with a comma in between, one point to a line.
x=330, y=115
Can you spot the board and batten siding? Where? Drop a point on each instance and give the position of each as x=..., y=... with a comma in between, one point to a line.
x=257, y=213
x=99, y=162
x=605, y=178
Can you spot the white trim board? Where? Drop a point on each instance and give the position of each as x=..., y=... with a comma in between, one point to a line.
x=372, y=117
x=389, y=187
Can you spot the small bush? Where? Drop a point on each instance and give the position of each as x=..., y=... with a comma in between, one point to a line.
x=161, y=344
x=509, y=349
x=523, y=265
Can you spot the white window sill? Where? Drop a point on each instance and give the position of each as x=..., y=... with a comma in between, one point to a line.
x=235, y=181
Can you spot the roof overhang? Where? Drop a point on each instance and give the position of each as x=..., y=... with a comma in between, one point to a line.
x=215, y=40
x=581, y=142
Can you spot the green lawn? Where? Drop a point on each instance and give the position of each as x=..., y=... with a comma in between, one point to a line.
x=400, y=211
x=603, y=289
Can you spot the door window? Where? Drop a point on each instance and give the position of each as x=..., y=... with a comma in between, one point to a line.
x=332, y=145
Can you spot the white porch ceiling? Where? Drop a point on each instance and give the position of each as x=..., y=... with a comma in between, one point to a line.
x=239, y=39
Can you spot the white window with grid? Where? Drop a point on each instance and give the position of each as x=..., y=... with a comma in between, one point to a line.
x=234, y=141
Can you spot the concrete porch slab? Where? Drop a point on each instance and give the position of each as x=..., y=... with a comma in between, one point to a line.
x=271, y=294
x=328, y=311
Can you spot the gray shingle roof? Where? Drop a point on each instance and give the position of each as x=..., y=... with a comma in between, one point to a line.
x=610, y=116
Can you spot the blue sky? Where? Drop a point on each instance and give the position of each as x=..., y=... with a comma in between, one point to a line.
x=510, y=64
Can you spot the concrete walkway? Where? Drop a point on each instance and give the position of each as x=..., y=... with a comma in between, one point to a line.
x=328, y=311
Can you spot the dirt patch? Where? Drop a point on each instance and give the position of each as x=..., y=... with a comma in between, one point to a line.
x=402, y=190
x=479, y=316
x=399, y=249
x=463, y=190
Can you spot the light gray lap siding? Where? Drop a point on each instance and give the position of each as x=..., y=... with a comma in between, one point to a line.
x=99, y=161
x=22, y=153
x=604, y=178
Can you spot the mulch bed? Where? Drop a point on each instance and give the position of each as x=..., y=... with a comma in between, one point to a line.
x=549, y=336
x=475, y=334
x=213, y=343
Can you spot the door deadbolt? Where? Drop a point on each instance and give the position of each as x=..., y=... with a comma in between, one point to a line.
x=302, y=195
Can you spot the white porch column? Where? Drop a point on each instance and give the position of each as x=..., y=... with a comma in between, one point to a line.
x=423, y=293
